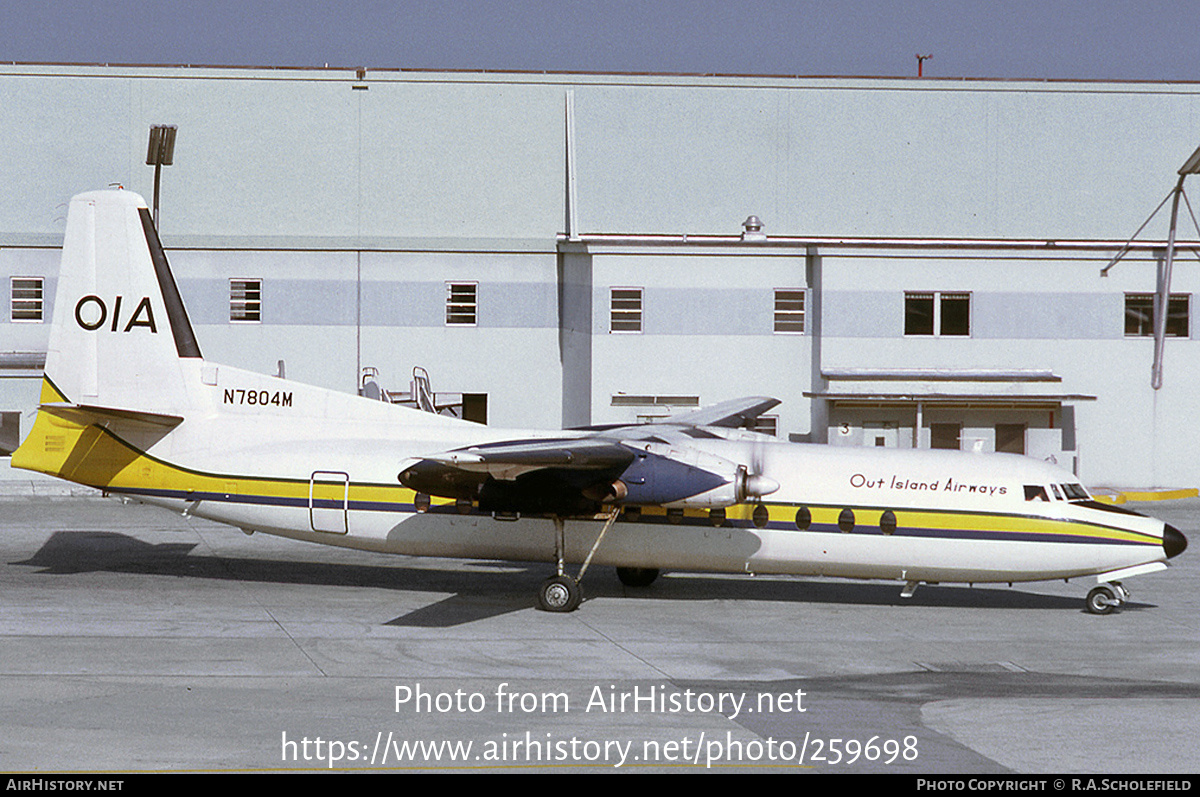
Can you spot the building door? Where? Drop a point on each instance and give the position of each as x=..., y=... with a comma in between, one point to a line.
x=474, y=407
x=945, y=435
x=1010, y=438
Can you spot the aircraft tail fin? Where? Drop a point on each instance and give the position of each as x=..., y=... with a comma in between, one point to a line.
x=119, y=328
x=120, y=344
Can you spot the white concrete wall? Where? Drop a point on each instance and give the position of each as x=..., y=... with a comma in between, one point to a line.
x=355, y=205
x=302, y=158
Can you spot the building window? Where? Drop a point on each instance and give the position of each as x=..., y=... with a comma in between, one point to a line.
x=789, y=310
x=765, y=424
x=1139, y=315
x=27, y=296
x=936, y=313
x=626, y=400
x=626, y=310
x=245, y=300
x=462, y=303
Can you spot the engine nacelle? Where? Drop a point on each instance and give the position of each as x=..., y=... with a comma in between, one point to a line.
x=668, y=476
x=744, y=487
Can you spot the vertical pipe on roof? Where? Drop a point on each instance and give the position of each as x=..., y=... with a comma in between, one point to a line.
x=572, y=214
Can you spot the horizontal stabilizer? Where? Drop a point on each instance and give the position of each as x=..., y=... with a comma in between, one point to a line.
x=87, y=414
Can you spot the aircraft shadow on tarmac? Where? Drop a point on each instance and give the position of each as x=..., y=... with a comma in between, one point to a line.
x=488, y=589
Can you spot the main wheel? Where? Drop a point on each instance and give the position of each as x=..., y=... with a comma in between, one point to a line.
x=637, y=576
x=559, y=594
x=1102, y=600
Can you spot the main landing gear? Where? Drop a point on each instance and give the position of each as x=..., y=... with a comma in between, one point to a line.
x=562, y=593
x=1103, y=599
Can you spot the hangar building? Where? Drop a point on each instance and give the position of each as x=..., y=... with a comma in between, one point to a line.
x=904, y=262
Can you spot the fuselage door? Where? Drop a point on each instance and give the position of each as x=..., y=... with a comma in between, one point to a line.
x=329, y=501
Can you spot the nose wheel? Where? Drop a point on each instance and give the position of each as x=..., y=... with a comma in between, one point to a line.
x=1105, y=598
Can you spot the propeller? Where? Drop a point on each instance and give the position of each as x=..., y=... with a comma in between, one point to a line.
x=751, y=482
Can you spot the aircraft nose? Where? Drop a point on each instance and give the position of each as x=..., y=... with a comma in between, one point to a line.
x=1173, y=540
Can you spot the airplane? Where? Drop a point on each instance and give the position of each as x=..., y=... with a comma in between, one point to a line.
x=130, y=406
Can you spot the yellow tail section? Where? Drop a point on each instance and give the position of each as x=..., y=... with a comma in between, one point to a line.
x=75, y=450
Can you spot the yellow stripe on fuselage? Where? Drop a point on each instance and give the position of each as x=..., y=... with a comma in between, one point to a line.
x=90, y=455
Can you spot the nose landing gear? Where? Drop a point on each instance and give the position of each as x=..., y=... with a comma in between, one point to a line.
x=1103, y=599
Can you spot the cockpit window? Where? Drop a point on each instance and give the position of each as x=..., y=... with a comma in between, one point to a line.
x=1058, y=496
x=1035, y=492
x=1076, y=492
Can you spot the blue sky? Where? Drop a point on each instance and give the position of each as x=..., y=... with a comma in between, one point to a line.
x=1050, y=39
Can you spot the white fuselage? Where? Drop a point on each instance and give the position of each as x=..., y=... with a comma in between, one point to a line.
x=324, y=469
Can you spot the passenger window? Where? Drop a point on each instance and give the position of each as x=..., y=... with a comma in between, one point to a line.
x=803, y=518
x=846, y=521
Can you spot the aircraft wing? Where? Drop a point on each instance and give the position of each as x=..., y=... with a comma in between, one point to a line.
x=576, y=475
x=511, y=459
x=562, y=476
x=727, y=414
